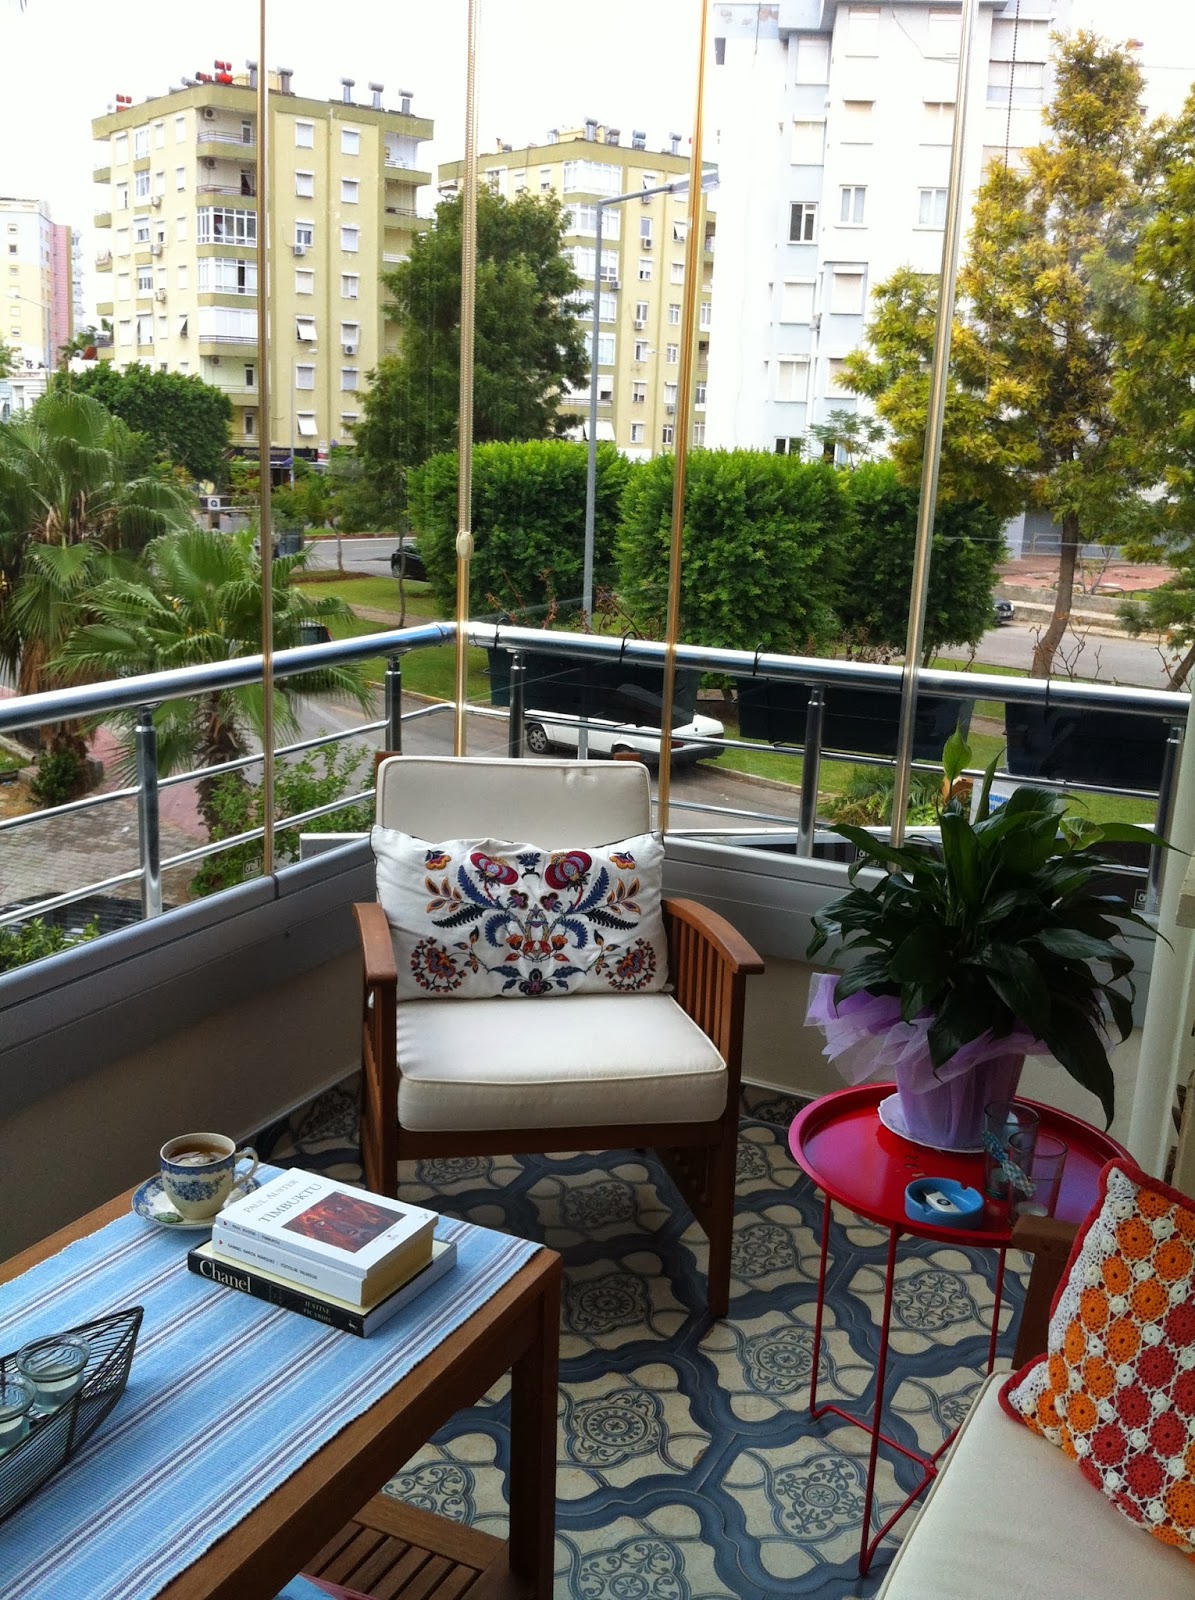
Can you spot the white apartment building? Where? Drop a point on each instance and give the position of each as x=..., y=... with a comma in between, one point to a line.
x=36, y=282
x=831, y=126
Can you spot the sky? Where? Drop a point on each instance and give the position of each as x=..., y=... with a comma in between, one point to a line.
x=541, y=64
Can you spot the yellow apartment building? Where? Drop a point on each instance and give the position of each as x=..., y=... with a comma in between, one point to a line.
x=642, y=266
x=37, y=282
x=180, y=236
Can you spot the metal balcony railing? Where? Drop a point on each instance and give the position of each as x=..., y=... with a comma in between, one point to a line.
x=91, y=701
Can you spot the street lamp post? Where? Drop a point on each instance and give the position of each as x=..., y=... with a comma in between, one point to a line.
x=709, y=181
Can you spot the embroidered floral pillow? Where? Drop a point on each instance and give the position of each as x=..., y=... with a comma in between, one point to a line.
x=1116, y=1388
x=478, y=918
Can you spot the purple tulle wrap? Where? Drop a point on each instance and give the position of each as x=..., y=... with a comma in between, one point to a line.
x=865, y=1038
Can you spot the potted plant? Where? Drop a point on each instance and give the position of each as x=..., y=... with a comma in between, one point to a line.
x=977, y=948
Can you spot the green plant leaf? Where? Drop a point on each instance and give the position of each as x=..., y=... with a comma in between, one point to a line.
x=1018, y=980
x=1078, y=1046
x=919, y=958
x=984, y=803
x=956, y=756
x=1073, y=945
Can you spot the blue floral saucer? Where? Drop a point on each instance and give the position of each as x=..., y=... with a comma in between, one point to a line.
x=152, y=1202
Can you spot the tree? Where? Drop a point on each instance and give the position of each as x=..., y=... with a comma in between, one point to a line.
x=1029, y=414
x=186, y=419
x=196, y=598
x=528, y=522
x=759, y=548
x=72, y=490
x=529, y=344
x=852, y=432
x=8, y=359
x=877, y=565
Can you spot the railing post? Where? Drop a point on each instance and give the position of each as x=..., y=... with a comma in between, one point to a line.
x=514, y=728
x=394, y=705
x=1166, y=788
x=149, y=842
x=811, y=770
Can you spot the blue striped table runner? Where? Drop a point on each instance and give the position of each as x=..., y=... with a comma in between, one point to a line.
x=227, y=1397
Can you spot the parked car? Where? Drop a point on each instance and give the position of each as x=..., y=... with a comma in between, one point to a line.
x=690, y=741
x=1002, y=611
x=415, y=567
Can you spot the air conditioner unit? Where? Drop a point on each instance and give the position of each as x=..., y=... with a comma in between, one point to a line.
x=155, y=249
x=639, y=322
x=156, y=202
x=300, y=249
x=160, y=295
x=215, y=360
x=349, y=349
x=210, y=163
x=645, y=244
x=209, y=114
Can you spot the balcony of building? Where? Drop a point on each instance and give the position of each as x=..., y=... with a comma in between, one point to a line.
x=103, y=219
x=101, y=173
x=103, y=261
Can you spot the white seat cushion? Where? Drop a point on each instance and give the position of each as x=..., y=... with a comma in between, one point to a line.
x=1011, y=1516
x=579, y=1062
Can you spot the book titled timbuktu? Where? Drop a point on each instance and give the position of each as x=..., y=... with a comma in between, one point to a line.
x=209, y=1263
x=326, y=1237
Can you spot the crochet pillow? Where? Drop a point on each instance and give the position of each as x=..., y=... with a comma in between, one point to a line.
x=476, y=919
x=1116, y=1388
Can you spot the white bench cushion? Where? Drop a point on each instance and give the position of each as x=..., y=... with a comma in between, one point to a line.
x=590, y=1060
x=1011, y=1516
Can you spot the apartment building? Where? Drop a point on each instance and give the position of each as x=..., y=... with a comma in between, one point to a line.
x=181, y=234
x=39, y=273
x=637, y=365
x=832, y=124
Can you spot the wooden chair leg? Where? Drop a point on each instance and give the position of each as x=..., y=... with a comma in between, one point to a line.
x=719, y=1224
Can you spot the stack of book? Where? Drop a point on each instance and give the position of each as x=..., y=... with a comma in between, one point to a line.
x=344, y=1256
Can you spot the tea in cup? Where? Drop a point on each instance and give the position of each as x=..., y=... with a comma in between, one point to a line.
x=199, y=1172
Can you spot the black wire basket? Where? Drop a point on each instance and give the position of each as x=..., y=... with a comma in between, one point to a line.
x=54, y=1436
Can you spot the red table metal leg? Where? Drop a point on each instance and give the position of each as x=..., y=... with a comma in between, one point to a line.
x=821, y=1305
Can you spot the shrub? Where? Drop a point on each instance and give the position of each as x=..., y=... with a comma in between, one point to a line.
x=61, y=776
x=23, y=942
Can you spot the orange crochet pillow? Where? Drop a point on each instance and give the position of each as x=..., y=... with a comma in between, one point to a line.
x=1116, y=1387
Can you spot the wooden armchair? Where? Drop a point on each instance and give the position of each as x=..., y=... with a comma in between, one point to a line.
x=473, y=1077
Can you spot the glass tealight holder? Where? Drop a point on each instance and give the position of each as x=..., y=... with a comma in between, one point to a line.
x=55, y=1368
x=16, y=1401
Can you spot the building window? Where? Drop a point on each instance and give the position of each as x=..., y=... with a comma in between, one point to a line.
x=856, y=121
x=304, y=280
x=699, y=433
x=250, y=376
x=836, y=374
x=605, y=391
x=159, y=135
x=706, y=312
x=862, y=30
x=349, y=190
x=676, y=272
x=126, y=332
x=645, y=233
x=140, y=143
x=790, y=379
x=638, y=393
x=122, y=196
x=122, y=286
x=141, y=185
x=304, y=376
x=305, y=329
x=250, y=424
x=182, y=274
x=350, y=238
x=221, y=276
x=644, y=269
x=180, y=129
x=605, y=350
x=305, y=234
x=642, y=349
x=145, y=328
x=140, y=230
x=943, y=32
x=666, y=434
x=852, y=198
x=938, y=122
x=846, y=293
x=641, y=309
x=671, y=354
x=813, y=60
x=350, y=286
x=305, y=422
x=350, y=333
x=120, y=149
x=607, y=308
x=591, y=177
x=796, y=301
x=348, y=419
x=809, y=143
x=304, y=135
x=670, y=394
x=931, y=208
x=180, y=177
x=638, y=432
x=180, y=229
x=145, y=280
x=545, y=180
x=699, y=394
x=680, y=232
x=305, y=185
x=674, y=313
x=350, y=141
x=246, y=131
x=583, y=219
x=1019, y=83
x=348, y=378
x=222, y=225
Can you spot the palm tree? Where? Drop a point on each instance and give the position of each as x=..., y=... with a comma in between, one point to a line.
x=73, y=487
x=196, y=597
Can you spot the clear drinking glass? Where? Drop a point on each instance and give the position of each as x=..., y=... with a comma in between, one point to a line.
x=1009, y=1135
x=56, y=1368
x=1045, y=1172
x=16, y=1401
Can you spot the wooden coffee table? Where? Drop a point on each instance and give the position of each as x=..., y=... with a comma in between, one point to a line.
x=302, y=1524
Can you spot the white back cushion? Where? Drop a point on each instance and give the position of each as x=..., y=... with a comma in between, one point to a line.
x=556, y=804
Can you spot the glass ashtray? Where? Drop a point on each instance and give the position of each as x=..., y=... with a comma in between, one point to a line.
x=55, y=1368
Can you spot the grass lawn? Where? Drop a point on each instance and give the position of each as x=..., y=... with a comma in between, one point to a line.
x=432, y=672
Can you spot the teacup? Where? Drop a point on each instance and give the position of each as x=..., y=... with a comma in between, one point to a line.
x=199, y=1172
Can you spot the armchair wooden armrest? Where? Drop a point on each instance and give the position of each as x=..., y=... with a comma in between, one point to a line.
x=379, y=1053
x=709, y=963
x=1049, y=1242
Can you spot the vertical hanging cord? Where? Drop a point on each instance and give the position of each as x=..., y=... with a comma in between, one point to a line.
x=264, y=432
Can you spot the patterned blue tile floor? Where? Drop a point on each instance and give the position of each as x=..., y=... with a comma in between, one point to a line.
x=689, y=1468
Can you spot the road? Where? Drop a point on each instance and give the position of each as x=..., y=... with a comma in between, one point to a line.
x=1108, y=659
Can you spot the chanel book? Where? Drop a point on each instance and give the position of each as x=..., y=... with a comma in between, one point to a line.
x=327, y=1237
x=209, y=1263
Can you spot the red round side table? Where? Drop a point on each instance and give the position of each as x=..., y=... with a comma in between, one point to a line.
x=840, y=1142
